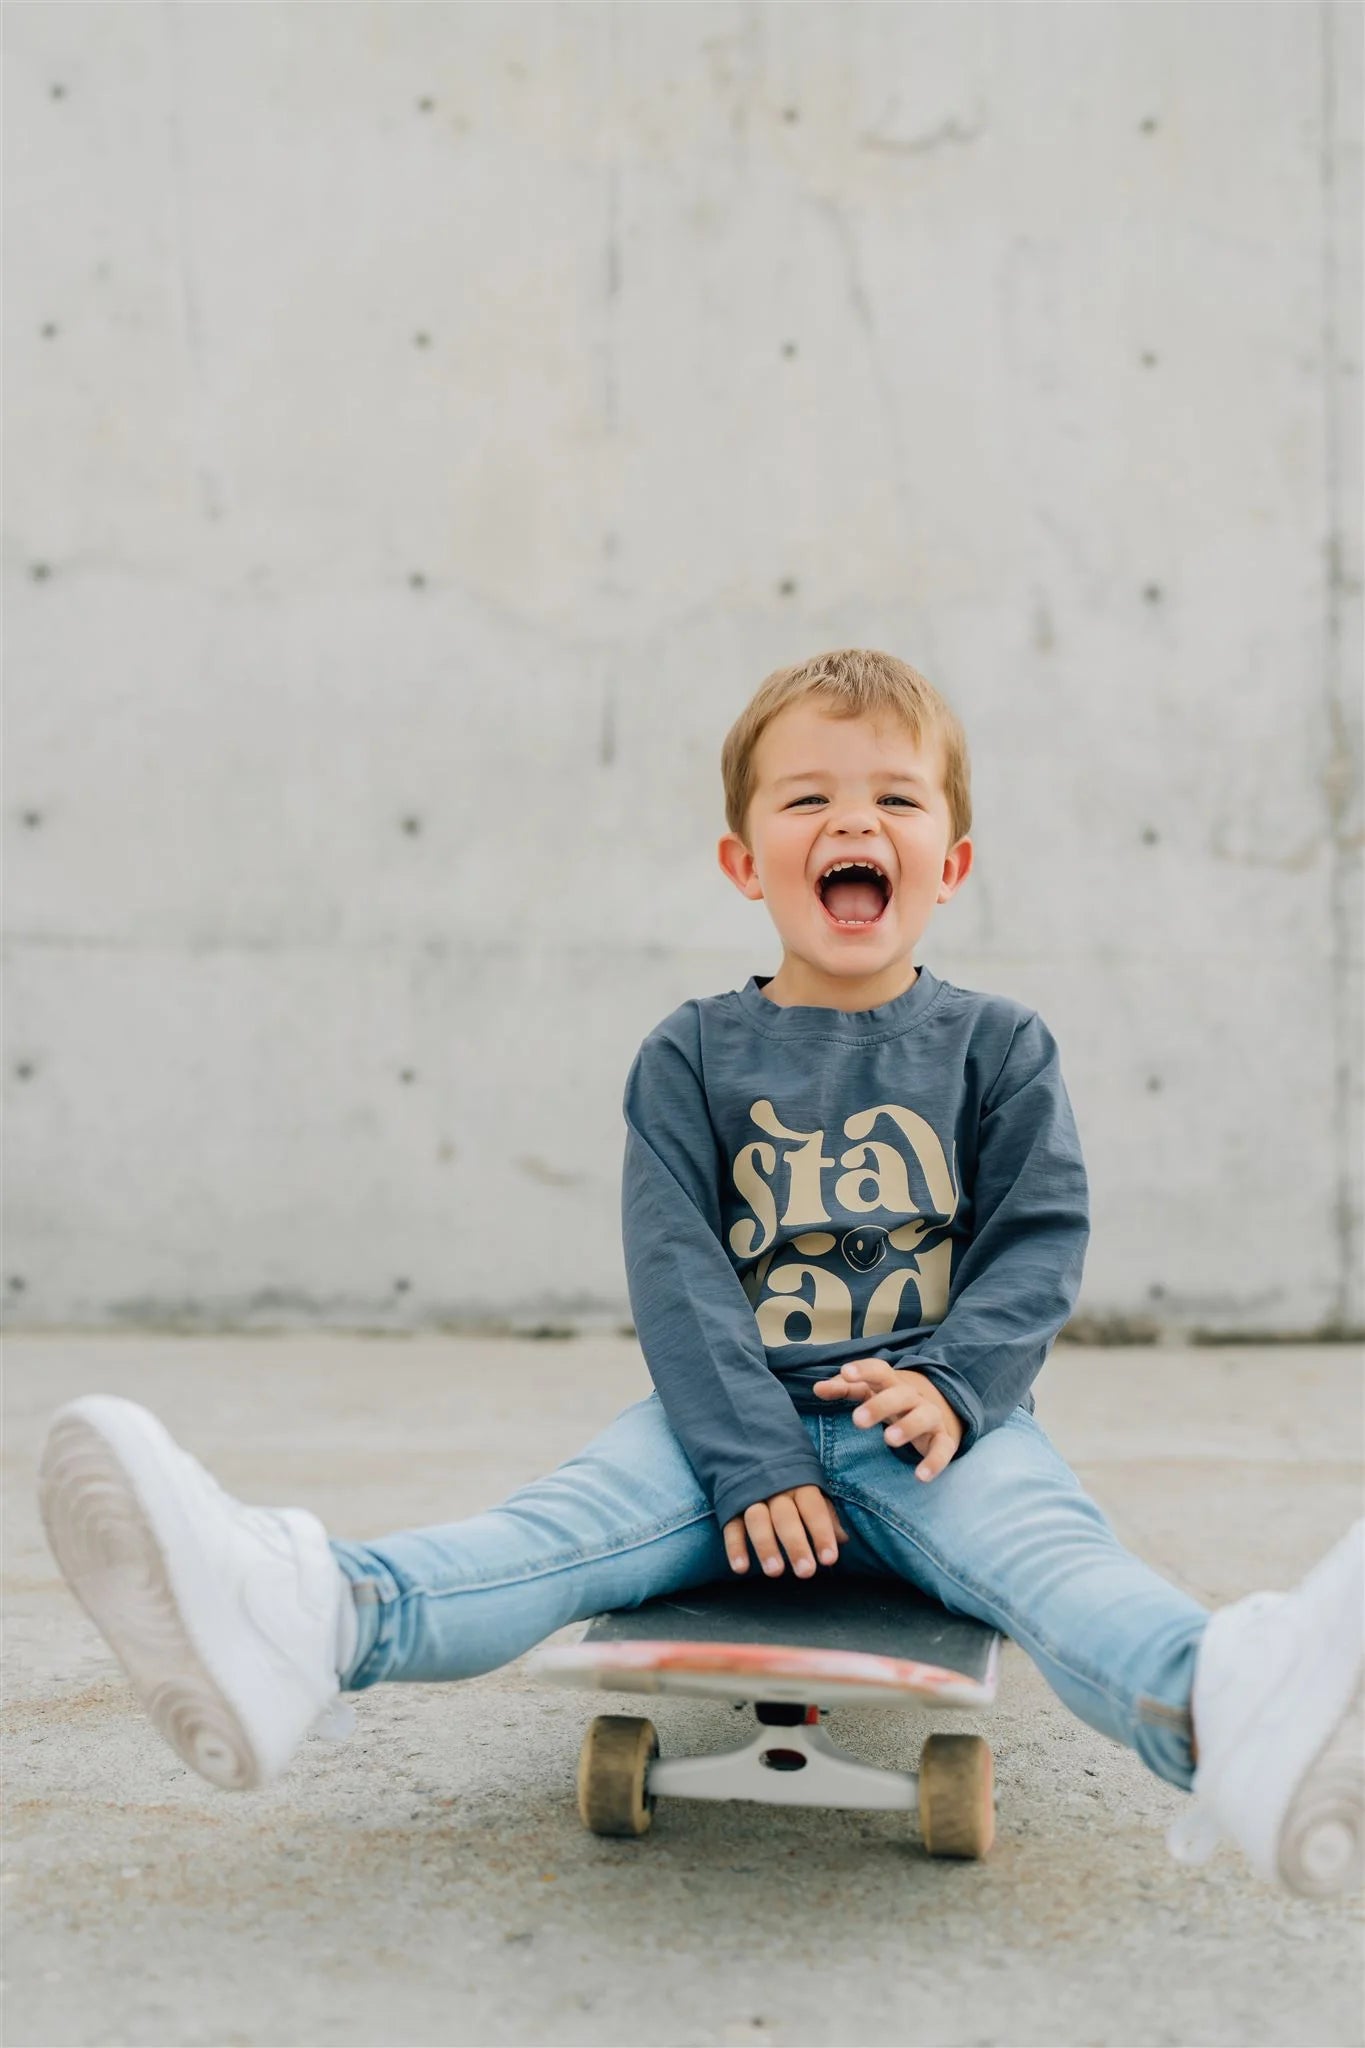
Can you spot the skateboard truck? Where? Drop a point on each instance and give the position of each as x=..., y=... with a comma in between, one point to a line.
x=789, y=1656
x=810, y=1769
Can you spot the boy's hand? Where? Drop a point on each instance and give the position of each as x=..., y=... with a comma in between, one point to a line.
x=788, y=1516
x=912, y=1406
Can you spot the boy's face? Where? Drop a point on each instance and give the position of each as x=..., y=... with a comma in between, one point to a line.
x=829, y=789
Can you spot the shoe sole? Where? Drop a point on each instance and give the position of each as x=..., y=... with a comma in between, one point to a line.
x=1320, y=1850
x=109, y=1555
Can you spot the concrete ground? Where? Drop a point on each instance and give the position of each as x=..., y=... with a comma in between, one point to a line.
x=429, y=1882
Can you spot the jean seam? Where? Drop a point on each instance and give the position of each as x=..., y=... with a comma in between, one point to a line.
x=1125, y=1707
x=1160, y=1714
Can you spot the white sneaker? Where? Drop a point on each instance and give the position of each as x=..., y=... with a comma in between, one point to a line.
x=1279, y=1713
x=225, y=1617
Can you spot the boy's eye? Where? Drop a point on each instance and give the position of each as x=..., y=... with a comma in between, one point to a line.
x=886, y=800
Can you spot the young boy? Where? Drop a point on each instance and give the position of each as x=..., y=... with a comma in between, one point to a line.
x=855, y=1217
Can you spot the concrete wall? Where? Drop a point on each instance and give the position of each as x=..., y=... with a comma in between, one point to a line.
x=425, y=426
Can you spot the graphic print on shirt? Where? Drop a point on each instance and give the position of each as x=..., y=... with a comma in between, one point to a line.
x=828, y=1294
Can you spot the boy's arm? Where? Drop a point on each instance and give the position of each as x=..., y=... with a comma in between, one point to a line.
x=734, y=1419
x=1018, y=1279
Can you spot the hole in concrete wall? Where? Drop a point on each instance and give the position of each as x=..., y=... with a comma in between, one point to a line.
x=417, y=581
x=422, y=340
x=791, y=114
x=1152, y=593
x=48, y=329
x=16, y=1283
x=40, y=572
x=1154, y=1084
x=425, y=106
x=1150, y=835
x=1149, y=125
x=58, y=92
x=787, y=587
x=24, y=1070
x=606, y=744
x=406, y=1076
x=31, y=819
x=1149, y=358
x=789, y=348
x=412, y=826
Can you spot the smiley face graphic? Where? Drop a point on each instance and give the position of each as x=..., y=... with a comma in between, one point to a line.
x=864, y=1247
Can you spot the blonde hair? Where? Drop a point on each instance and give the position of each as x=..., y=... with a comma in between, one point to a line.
x=850, y=682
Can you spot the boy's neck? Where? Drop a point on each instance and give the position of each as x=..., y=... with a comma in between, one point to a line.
x=796, y=982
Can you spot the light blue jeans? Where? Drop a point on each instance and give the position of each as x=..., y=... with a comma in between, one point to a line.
x=1005, y=1533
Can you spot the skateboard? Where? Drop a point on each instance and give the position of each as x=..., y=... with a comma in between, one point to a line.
x=790, y=1648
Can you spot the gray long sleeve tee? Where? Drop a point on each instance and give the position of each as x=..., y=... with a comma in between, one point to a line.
x=804, y=1186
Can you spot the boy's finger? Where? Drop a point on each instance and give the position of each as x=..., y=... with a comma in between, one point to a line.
x=759, y=1524
x=736, y=1549
x=821, y=1520
x=914, y=1422
x=791, y=1529
x=890, y=1401
x=936, y=1457
x=875, y=1370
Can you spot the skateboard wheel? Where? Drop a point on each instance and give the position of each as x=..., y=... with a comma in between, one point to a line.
x=613, y=1770
x=957, y=1795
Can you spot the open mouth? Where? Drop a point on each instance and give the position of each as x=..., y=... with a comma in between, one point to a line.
x=854, y=895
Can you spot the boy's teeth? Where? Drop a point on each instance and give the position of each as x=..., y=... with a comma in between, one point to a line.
x=863, y=901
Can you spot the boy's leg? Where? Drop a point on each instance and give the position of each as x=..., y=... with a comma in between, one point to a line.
x=1273, y=1685
x=235, y=1623
x=621, y=1521
x=1009, y=1535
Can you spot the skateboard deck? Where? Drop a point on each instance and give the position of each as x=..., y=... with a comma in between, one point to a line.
x=790, y=1648
x=834, y=1640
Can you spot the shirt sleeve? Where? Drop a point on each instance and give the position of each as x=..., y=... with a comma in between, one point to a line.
x=696, y=1326
x=1018, y=1279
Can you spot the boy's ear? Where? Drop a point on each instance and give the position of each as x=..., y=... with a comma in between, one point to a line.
x=957, y=865
x=738, y=863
